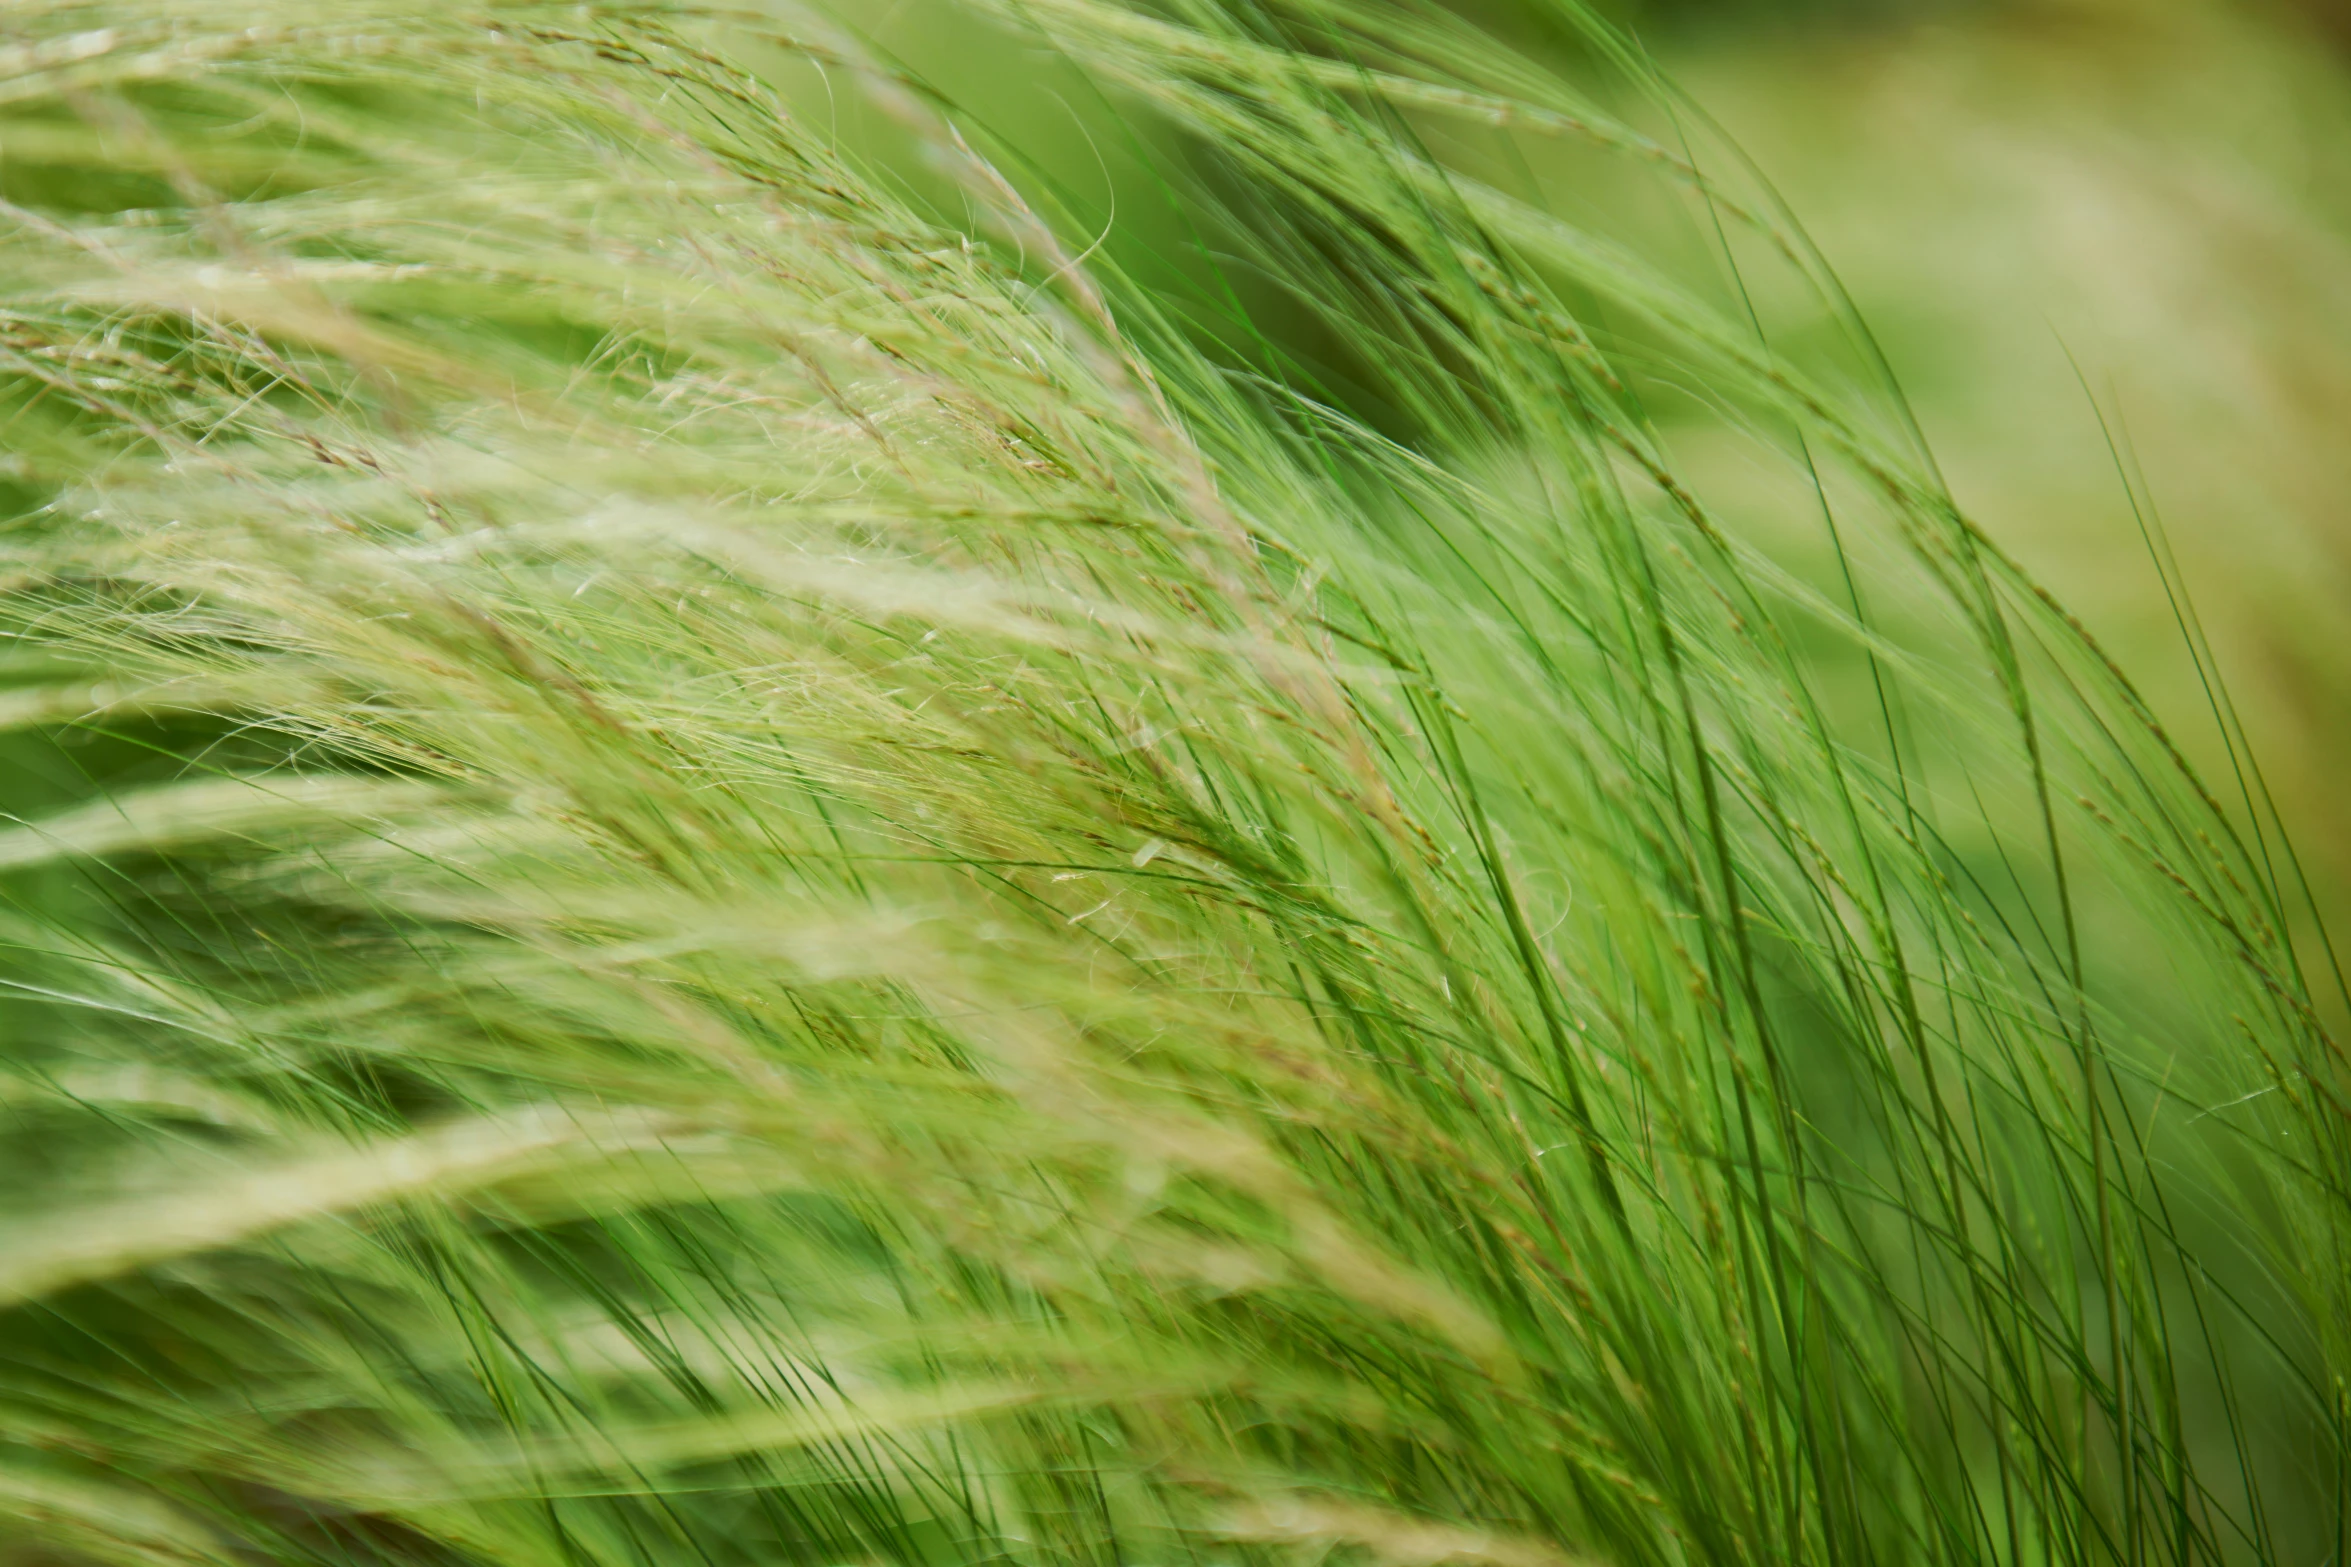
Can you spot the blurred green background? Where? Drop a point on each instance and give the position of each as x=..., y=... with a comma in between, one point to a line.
x=2137, y=202
x=2104, y=244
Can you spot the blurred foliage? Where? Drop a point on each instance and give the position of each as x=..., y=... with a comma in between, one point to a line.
x=2099, y=242
x=2103, y=246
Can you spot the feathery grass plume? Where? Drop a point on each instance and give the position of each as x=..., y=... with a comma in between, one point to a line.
x=738, y=860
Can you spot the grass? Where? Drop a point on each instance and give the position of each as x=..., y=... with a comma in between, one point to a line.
x=742, y=860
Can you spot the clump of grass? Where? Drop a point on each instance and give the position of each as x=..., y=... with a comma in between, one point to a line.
x=774, y=870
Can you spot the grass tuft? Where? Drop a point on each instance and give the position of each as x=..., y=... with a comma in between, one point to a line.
x=735, y=844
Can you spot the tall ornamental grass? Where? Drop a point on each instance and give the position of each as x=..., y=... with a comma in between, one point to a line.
x=729, y=847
